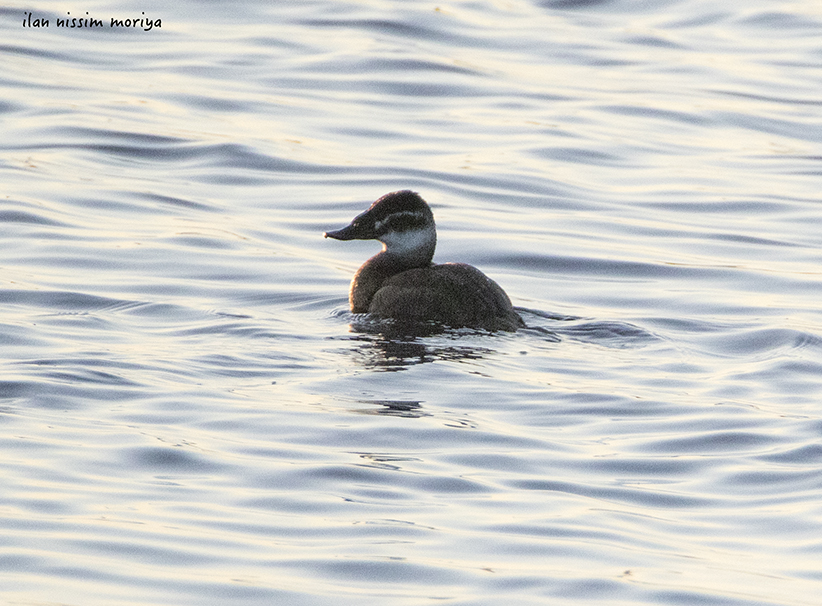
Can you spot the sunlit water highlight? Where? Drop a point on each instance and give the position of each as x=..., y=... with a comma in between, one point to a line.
x=188, y=416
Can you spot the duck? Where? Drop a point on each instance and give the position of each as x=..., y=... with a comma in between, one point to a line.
x=401, y=283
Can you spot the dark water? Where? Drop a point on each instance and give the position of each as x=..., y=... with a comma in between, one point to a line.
x=188, y=417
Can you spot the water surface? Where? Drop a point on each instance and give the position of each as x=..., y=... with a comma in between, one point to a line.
x=190, y=415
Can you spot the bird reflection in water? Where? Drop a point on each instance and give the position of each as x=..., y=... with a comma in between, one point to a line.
x=393, y=408
x=390, y=354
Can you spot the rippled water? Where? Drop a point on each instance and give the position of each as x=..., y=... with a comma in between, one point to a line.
x=188, y=416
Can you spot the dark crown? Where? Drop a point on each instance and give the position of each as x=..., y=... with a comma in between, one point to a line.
x=400, y=211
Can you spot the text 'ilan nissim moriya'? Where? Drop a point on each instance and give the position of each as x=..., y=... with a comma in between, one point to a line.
x=78, y=22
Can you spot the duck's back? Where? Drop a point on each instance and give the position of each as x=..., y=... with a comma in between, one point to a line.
x=454, y=294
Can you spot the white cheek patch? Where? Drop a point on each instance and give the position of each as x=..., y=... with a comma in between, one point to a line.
x=410, y=241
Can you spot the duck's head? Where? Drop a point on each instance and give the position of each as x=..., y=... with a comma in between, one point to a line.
x=402, y=221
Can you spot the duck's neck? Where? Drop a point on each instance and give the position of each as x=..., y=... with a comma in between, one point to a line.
x=370, y=277
x=402, y=250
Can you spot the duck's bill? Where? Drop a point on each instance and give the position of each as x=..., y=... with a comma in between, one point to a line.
x=355, y=231
x=346, y=233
